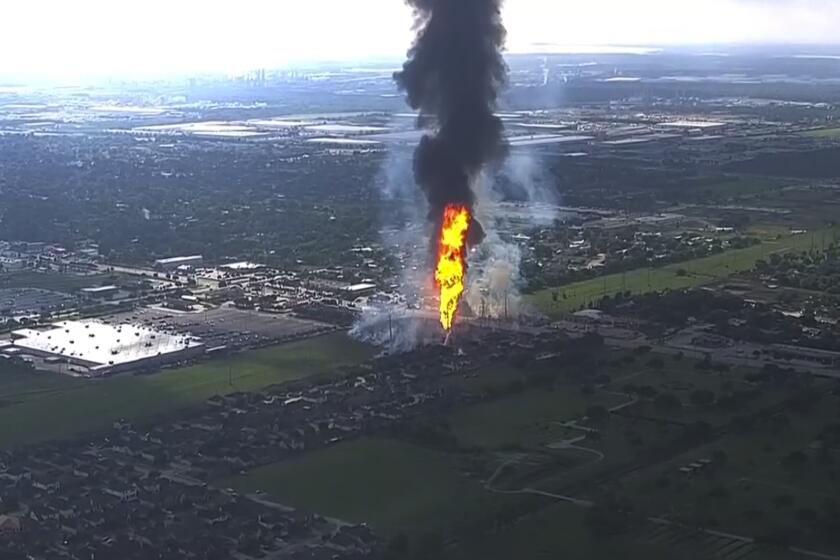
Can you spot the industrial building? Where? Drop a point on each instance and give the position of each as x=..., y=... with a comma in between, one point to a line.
x=174, y=262
x=96, y=348
x=100, y=292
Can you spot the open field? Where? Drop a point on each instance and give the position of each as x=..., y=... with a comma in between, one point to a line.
x=396, y=487
x=17, y=383
x=75, y=406
x=734, y=186
x=677, y=276
x=823, y=133
x=529, y=418
x=50, y=281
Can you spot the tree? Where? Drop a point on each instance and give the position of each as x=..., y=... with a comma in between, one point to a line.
x=598, y=414
x=667, y=401
x=515, y=387
x=521, y=360
x=701, y=397
x=428, y=547
x=610, y=518
x=783, y=501
x=721, y=367
x=397, y=548
x=806, y=515
x=720, y=492
x=795, y=459
x=657, y=363
x=781, y=536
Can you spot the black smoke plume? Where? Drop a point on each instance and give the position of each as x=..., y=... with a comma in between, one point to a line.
x=452, y=77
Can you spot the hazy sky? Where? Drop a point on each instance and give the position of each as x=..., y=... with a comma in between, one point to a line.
x=65, y=38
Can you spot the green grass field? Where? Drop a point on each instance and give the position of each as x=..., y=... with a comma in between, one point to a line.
x=823, y=133
x=740, y=185
x=697, y=273
x=16, y=381
x=50, y=281
x=395, y=487
x=526, y=418
x=49, y=406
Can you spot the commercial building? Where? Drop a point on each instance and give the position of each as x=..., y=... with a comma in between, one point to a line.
x=11, y=264
x=96, y=348
x=174, y=262
x=100, y=292
x=357, y=290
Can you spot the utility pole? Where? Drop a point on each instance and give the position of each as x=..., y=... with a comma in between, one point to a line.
x=390, y=332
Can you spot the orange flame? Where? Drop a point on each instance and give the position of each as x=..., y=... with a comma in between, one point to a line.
x=451, y=264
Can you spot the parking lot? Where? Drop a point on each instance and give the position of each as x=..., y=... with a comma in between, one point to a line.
x=21, y=302
x=226, y=326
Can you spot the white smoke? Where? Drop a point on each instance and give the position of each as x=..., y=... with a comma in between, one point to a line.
x=526, y=172
x=395, y=329
x=494, y=282
x=405, y=235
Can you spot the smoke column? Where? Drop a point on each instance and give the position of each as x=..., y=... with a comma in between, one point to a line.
x=452, y=77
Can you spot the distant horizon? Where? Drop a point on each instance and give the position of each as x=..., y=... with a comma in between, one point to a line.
x=392, y=62
x=78, y=39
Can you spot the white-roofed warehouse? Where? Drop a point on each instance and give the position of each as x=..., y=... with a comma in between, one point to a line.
x=100, y=348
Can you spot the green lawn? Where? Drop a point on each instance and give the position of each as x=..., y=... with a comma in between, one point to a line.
x=823, y=133
x=17, y=382
x=50, y=281
x=740, y=185
x=58, y=407
x=395, y=487
x=672, y=277
x=527, y=418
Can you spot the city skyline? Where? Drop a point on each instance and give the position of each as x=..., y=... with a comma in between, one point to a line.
x=93, y=38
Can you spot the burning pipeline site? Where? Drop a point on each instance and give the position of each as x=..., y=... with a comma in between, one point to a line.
x=452, y=79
